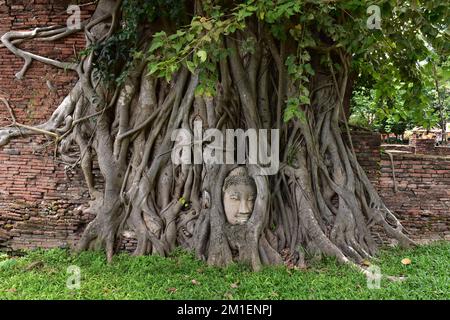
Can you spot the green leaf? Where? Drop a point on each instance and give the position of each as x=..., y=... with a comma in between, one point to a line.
x=156, y=43
x=159, y=34
x=207, y=25
x=309, y=69
x=177, y=46
x=191, y=66
x=261, y=15
x=199, y=90
x=168, y=77
x=304, y=100
x=153, y=68
x=202, y=55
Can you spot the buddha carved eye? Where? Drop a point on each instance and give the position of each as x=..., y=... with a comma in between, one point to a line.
x=234, y=196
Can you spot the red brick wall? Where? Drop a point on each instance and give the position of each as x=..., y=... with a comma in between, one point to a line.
x=422, y=200
x=37, y=196
x=367, y=149
x=428, y=146
x=442, y=150
x=423, y=146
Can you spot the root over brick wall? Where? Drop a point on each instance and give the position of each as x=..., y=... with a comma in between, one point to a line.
x=422, y=200
x=39, y=196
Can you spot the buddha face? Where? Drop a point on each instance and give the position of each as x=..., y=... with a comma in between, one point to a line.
x=239, y=197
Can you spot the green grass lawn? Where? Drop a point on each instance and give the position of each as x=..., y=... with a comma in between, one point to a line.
x=42, y=274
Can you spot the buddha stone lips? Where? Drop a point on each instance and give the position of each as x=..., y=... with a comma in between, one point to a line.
x=208, y=146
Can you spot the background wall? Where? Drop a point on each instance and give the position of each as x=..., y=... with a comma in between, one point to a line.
x=39, y=197
x=422, y=200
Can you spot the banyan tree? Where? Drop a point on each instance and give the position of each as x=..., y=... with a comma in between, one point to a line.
x=283, y=68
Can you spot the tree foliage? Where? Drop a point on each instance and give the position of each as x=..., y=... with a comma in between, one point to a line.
x=396, y=91
x=385, y=61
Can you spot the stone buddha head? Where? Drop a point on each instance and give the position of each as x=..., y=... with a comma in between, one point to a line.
x=239, y=194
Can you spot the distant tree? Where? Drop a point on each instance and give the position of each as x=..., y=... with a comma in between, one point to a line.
x=395, y=106
x=437, y=81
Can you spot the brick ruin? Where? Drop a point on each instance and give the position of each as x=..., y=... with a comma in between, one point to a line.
x=39, y=196
x=419, y=194
x=423, y=146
